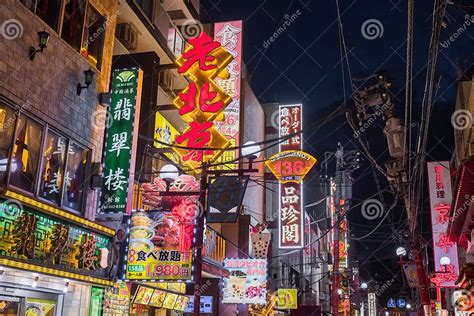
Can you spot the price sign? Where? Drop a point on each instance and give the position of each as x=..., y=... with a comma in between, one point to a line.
x=290, y=165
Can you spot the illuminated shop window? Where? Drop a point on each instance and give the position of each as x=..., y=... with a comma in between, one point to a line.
x=75, y=176
x=26, y=153
x=7, y=128
x=52, y=174
x=93, y=38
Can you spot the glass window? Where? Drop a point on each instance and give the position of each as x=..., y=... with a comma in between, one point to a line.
x=54, y=156
x=7, y=128
x=147, y=7
x=48, y=10
x=73, y=24
x=75, y=177
x=26, y=152
x=93, y=41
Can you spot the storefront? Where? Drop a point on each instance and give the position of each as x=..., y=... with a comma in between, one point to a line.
x=50, y=260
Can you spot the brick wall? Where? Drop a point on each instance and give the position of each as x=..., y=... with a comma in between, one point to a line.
x=46, y=87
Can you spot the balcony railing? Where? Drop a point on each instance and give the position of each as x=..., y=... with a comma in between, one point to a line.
x=214, y=246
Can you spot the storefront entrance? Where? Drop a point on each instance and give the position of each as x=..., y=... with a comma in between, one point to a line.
x=16, y=301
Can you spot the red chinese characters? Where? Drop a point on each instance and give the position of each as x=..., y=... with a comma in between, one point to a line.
x=202, y=102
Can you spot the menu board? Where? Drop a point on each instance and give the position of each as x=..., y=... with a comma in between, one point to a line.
x=170, y=300
x=117, y=300
x=29, y=236
x=143, y=295
x=160, y=246
x=157, y=298
x=181, y=303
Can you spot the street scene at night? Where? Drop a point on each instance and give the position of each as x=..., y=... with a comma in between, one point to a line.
x=252, y=157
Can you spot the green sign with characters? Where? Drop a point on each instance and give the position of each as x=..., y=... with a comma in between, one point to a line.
x=118, y=147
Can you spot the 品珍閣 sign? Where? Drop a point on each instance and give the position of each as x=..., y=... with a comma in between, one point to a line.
x=29, y=237
x=291, y=219
x=439, y=183
x=290, y=165
x=160, y=246
x=202, y=102
x=229, y=35
x=120, y=142
x=247, y=282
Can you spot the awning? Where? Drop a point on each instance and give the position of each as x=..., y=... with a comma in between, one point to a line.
x=462, y=208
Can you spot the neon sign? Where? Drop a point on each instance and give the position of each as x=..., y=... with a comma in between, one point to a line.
x=290, y=165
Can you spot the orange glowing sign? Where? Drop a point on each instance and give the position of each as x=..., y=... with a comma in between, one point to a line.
x=203, y=101
x=290, y=165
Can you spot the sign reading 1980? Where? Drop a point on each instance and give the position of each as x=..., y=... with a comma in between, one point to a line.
x=119, y=140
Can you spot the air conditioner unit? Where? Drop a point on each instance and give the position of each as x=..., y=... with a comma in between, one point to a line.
x=166, y=80
x=127, y=34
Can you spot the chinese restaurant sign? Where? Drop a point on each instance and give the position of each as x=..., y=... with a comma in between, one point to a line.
x=287, y=299
x=202, y=102
x=165, y=132
x=229, y=35
x=247, y=282
x=290, y=165
x=28, y=236
x=161, y=244
x=290, y=225
x=120, y=142
x=439, y=181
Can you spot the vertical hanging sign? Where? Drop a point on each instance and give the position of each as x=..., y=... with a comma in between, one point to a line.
x=439, y=181
x=291, y=223
x=229, y=35
x=121, y=140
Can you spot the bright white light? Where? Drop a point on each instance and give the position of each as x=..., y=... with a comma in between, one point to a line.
x=408, y=306
x=339, y=291
x=387, y=313
x=401, y=251
x=34, y=284
x=251, y=150
x=363, y=285
x=169, y=172
x=445, y=261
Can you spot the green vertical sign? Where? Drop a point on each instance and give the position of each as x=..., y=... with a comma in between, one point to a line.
x=119, y=140
x=97, y=296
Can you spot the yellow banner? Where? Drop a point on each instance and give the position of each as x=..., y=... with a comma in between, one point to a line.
x=166, y=133
x=287, y=299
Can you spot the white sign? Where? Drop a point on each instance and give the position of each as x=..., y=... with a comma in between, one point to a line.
x=372, y=304
x=247, y=282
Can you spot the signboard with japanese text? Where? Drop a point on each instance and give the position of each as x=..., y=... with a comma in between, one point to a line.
x=160, y=245
x=165, y=132
x=439, y=182
x=27, y=236
x=247, y=282
x=117, y=300
x=287, y=298
x=291, y=219
x=229, y=35
x=121, y=140
x=411, y=274
x=372, y=302
x=203, y=102
x=290, y=165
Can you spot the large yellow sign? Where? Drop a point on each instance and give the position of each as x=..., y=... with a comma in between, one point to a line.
x=166, y=133
x=287, y=299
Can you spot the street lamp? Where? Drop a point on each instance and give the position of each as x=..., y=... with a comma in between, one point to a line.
x=401, y=251
x=445, y=261
x=364, y=286
x=408, y=306
x=169, y=172
x=339, y=291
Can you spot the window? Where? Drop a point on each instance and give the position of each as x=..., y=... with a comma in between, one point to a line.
x=93, y=38
x=147, y=7
x=75, y=176
x=7, y=128
x=26, y=151
x=73, y=23
x=48, y=10
x=54, y=157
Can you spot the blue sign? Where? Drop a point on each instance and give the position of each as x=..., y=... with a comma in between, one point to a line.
x=401, y=303
x=391, y=303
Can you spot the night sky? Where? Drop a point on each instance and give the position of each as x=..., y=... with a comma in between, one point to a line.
x=304, y=65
